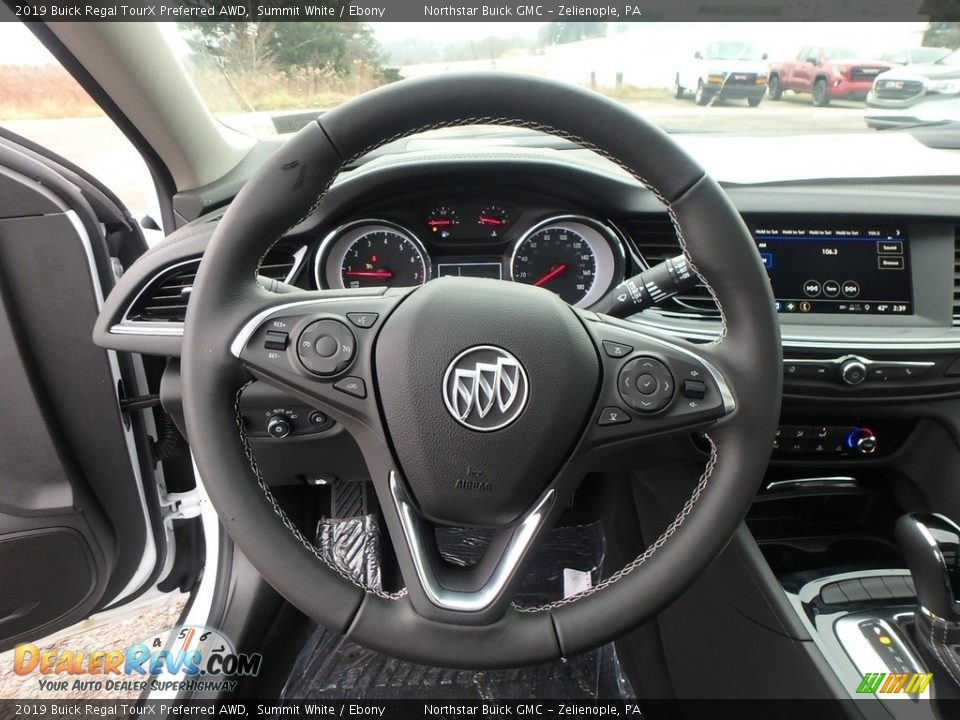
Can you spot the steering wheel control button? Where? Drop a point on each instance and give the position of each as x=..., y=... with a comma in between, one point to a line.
x=276, y=340
x=645, y=384
x=694, y=389
x=363, y=319
x=278, y=426
x=613, y=416
x=326, y=347
x=352, y=386
x=615, y=349
x=853, y=372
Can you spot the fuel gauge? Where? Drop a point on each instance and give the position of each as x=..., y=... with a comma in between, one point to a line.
x=441, y=220
x=494, y=219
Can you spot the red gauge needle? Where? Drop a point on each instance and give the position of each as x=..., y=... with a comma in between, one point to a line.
x=439, y=223
x=385, y=274
x=490, y=220
x=554, y=271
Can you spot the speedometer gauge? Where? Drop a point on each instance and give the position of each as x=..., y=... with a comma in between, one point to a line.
x=570, y=256
x=372, y=253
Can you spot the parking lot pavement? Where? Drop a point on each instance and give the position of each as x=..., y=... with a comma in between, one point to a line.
x=97, y=146
x=792, y=113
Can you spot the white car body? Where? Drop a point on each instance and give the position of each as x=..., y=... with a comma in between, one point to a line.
x=715, y=66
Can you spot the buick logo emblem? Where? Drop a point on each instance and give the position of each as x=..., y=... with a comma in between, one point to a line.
x=485, y=388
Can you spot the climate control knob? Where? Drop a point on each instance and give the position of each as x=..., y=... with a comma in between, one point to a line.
x=862, y=440
x=853, y=372
x=278, y=426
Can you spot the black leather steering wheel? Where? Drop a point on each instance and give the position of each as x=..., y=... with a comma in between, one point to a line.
x=479, y=402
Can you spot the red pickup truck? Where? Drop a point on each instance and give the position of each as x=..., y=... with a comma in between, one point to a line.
x=827, y=73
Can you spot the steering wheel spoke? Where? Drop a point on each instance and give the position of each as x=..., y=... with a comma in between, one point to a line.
x=653, y=385
x=474, y=593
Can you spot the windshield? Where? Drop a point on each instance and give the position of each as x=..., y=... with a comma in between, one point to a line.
x=928, y=55
x=732, y=51
x=951, y=59
x=268, y=79
x=836, y=53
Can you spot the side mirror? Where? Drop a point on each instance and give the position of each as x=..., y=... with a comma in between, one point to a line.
x=763, y=57
x=698, y=55
x=813, y=59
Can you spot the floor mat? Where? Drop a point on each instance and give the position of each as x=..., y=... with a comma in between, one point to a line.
x=329, y=666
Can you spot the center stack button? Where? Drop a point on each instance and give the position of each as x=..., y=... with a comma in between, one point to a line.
x=646, y=384
x=326, y=347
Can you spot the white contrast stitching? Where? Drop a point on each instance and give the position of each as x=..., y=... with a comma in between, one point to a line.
x=950, y=656
x=649, y=552
x=708, y=471
x=286, y=520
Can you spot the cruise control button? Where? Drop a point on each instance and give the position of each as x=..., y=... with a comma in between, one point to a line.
x=362, y=319
x=326, y=346
x=615, y=349
x=352, y=386
x=275, y=340
x=613, y=416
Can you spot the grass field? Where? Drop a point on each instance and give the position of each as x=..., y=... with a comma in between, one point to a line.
x=32, y=93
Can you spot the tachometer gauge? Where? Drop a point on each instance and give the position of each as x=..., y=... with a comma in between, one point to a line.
x=372, y=253
x=441, y=220
x=571, y=256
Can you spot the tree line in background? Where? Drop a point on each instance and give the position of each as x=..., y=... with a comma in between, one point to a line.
x=270, y=65
x=340, y=47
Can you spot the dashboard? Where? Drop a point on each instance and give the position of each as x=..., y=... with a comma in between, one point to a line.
x=861, y=269
x=866, y=278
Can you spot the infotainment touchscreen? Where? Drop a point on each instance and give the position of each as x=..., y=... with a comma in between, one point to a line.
x=854, y=270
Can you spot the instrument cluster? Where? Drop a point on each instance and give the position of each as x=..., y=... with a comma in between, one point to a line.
x=578, y=257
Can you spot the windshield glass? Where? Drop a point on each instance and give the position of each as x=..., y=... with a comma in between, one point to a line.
x=835, y=53
x=927, y=55
x=732, y=51
x=951, y=59
x=270, y=78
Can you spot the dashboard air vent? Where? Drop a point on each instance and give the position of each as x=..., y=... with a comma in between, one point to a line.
x=165, y=299
x=656, y=240
x=956, y=276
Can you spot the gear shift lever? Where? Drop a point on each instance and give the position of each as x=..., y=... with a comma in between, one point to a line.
x=931, y=545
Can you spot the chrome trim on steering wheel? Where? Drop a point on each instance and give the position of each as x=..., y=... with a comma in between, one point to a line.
x=475, y=601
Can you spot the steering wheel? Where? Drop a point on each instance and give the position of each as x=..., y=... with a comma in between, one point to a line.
x=479, y=403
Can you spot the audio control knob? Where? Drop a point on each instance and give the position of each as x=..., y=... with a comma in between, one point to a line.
x=853, y=372
x=863, y=440
x=278, y=426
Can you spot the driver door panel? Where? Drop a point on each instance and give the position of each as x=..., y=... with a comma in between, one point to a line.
x=77, y=532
